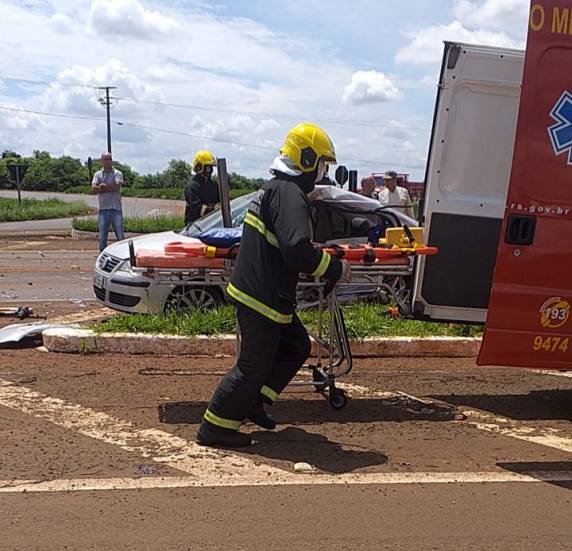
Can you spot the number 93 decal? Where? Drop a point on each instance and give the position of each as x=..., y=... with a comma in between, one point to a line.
x=554, y=313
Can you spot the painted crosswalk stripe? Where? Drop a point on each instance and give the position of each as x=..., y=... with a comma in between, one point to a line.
x=150, y=483
x=208, y=464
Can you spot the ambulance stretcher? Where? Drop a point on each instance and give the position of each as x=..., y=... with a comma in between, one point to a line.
x=183, y=262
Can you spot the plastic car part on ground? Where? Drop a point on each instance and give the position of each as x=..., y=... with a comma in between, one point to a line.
x=21, y=335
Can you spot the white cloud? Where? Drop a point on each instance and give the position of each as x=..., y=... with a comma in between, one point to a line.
x=128, y=17
x=211, y=60
x=74, y=89
x=61, y=22
x=369, y=87
x=16, y=120
x=396, y=130
x=494, y=14
x=426, y=46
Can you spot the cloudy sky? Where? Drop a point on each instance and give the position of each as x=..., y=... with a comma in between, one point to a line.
x=234, y=75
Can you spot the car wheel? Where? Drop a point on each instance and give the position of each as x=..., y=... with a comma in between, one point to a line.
x=191, y=297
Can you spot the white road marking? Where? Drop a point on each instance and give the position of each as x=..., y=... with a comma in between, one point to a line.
x=209, y=467
x=567, y=374
x=163, y=447
x=149, y=483
x=544, y=436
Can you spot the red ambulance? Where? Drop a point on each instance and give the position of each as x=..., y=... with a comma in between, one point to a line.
x=498, y=197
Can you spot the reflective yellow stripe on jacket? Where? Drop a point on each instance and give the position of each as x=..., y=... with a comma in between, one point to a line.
x=258, y=306
x=220, y=421
x=255, y=222
x=323, y=265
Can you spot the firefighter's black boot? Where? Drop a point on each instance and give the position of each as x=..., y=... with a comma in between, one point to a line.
x=259, y=417
x=211, y=435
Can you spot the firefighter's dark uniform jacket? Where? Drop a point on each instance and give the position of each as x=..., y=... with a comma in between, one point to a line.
x=275, y=247
x=198, y=192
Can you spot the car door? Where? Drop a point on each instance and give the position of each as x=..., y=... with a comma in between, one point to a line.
x=528, y=321
x=466, y=180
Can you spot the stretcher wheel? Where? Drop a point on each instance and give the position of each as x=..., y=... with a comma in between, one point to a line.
x=338, y=399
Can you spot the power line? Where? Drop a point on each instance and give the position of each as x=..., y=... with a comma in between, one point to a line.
x=271, y=115
x=43, y=113
x=358, y=123
x=267, y=148
x=372, y=162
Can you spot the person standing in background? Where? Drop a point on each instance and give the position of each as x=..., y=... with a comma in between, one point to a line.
x=394, y=196
x=107, y=184
x=368, y=187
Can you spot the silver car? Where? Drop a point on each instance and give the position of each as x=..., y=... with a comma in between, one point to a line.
x=339, y=216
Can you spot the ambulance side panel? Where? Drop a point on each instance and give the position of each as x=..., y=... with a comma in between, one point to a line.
x=467, y=180
x=529, y=322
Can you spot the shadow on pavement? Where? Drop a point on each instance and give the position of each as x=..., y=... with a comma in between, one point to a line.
x=295, y=444
x=293, y=411
x=541, y=470
x=536, y=405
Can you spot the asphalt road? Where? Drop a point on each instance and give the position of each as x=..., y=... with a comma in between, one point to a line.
x=132, y=206
x=98, y=454
x=46, y=269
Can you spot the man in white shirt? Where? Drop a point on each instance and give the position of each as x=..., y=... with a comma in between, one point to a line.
x=395, y=196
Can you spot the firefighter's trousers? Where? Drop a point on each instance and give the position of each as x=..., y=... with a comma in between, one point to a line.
x=270, y=356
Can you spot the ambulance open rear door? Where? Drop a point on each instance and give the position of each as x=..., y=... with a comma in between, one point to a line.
x=466, y=180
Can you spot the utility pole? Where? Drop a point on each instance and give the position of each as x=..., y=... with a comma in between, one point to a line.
x=107, y=102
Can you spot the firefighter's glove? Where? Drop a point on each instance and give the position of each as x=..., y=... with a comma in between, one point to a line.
x=343, y=277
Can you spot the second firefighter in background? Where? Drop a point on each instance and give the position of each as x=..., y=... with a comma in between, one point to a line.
x=276, y=247
x=201, y=193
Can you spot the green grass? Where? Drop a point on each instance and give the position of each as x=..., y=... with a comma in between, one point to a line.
x=362, y=320
x=38, y=209
x=144, y=224
x=154, y=193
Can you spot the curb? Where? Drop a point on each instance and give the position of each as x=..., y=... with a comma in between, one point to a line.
x=85, y=341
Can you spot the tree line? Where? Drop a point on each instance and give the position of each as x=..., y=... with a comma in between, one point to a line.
x=47, y=173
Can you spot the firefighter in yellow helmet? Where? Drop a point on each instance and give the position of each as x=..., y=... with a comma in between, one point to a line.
x=275, y=247
x=201, y=193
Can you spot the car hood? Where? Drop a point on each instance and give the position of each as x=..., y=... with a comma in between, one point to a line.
x=153, y=241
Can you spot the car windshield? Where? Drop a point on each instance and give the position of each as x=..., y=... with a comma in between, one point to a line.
x=238, y=209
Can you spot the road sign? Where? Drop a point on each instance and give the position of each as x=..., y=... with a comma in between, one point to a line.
x=18, y=172
x=341, y=175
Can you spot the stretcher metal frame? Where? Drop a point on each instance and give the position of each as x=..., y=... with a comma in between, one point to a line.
x=333, y=351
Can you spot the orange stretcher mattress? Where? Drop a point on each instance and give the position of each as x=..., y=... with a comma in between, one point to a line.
x=154, y=259
x=197, y=255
